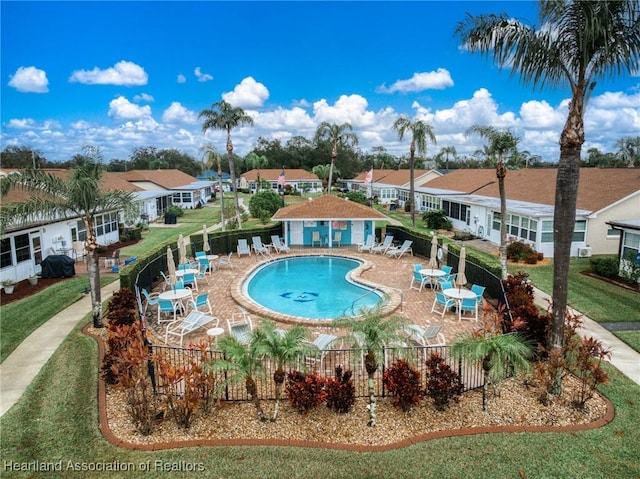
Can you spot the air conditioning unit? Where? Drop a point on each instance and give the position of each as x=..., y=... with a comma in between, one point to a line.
x=584, y=252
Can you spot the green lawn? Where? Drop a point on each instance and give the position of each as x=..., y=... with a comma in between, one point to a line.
x=20, y=318
x=57, y=420
x=632, y=338
x=599, y=300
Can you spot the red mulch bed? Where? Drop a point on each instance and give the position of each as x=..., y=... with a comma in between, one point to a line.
x=24, y=289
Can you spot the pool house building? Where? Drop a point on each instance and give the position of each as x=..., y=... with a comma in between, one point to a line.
x=327, y=221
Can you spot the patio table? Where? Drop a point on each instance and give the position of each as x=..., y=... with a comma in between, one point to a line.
x=433, y=275
x=458, y=294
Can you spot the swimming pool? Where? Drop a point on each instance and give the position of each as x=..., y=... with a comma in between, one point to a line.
x=314, y=287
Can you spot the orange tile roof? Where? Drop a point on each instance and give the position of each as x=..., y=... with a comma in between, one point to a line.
x=392, y=177
x=598, y=187
x=272, y=174
x=327, y=207
x=168, y=179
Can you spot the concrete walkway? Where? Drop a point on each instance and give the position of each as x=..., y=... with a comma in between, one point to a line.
x=623, y=357
x=22, y=365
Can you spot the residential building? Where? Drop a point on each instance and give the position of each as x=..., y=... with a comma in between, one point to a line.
x=294, y=178
x=390, y=186
x=629, y=247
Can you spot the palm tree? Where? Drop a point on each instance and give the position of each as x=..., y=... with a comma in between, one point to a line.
x=284, y=347
x=212, y=155
x=322, y=172
x=338, y=135
x=372, y=332
x=500, y=143
x=445, y=151
x=79, y=195
x=222, y=116
x=253, y=160
x=244, y=362
x=579, y=43
x=498, y=355
x=629, y=150
x=420, y=133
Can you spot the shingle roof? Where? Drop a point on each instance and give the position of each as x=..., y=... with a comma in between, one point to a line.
x=598, y=187
x=271, y=174
x=327, y=207
x=392, y=177
x=168, y=179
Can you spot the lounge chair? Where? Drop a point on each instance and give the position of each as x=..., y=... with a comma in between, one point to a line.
x=315, y=238
x=384, y=246
x=399, y=252
x=240, y=326
x=320, y=347
x=431, y=336
x=194, y=320
x=279, y=245
x=368, y=244
x=243, y=247
x=337, y=238
x=442, y=300
x=258, y=247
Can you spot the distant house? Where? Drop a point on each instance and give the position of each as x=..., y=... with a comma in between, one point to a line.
x=187, y=192
x=629, y=246
x=471, y=200
x=326, y=218
x=296, y=179
x=390, y=186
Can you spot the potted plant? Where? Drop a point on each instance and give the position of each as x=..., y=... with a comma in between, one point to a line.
x=8, y=285
x=33, y=279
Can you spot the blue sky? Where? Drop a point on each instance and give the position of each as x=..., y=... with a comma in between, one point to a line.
x=121, y=75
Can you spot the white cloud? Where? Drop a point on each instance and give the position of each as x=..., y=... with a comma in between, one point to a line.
x=144, y=97
x=613, y=100
x=349, y=108
x=540, y=115
x=122, y=73
x=247, y=94
x=202, y=77
x=29, y=123
x=181, y=78
x=123, y=109
x=177, y=113
x=30, y=80
x=438, y=80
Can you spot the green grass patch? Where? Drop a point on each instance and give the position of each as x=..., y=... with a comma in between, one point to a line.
x=631, y=338
x=56, y=420
x=20, y=318
x=597, y=299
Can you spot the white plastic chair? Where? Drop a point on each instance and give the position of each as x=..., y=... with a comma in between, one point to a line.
x=243, y=247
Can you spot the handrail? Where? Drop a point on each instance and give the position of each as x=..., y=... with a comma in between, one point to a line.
x=377, y=288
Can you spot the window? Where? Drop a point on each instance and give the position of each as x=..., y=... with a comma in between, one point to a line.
x=613, y=233
x=23, y=247
x=579, y=231
x=630, y=245
x=495, y=224
x=547, y=231
x=5, y=253
x=456, y=211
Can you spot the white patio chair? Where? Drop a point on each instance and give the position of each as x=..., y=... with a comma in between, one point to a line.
x=399, y=252
x=194, y=320
x=279, y=245
x=259, y=247
x=384, y=247
x=368, y=244
x=243, y=247
x=429, y=336
x=240, y=326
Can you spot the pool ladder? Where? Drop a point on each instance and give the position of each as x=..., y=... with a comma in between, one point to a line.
x=353, y=304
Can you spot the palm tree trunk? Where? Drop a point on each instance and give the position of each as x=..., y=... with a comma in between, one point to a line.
x=221, y=192
x=567, y=180
x=232, y=173
x=501, y=173
x=412, y=192
x=372, y=401
x=252, y=392
x=93, y=272
x=334, y=155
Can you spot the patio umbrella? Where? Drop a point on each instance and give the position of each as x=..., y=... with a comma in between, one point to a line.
x=171, y=267
x=433, y=259
x=182, y=250
x=445, y=253
x=205, y=239
x=461, y=279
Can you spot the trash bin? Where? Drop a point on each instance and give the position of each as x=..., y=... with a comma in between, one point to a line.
x=170, y=219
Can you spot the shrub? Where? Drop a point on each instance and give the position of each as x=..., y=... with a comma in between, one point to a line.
x=407, y=206
x=341, y=393
x=605, y=266
x=436, y=220
x=174, y=210
x=403, y=382
x=305, y=391
x=443, y=383
x=520, y=251
x=264, y=204
x=525, y=314
x=127, y=365
x=122, y=308
x=357, y=197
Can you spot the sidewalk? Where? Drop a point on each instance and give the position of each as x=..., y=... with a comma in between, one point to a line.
x=24, y=363
x=623, y=357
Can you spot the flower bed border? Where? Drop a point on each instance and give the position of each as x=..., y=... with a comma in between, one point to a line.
x=467, y=431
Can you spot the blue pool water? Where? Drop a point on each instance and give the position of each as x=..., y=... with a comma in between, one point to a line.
x=311, y=287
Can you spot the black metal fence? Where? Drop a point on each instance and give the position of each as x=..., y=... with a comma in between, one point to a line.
x=323, y=363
